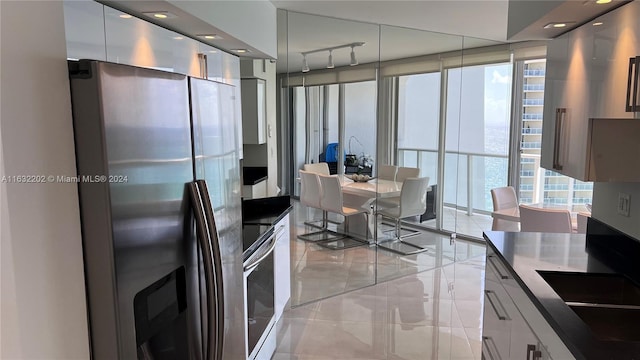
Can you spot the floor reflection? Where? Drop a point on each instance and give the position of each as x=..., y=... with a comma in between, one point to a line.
x=435, y=314
x=319, y=273
x=423, y=306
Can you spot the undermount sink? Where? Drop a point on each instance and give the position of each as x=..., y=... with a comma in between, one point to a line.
x=609, y=304
x=610, y=324
x=593, y=288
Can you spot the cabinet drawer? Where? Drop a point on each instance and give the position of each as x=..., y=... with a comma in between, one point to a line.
x=496, y=321
x=495, y=270
x=529, y=331
x=549, y=342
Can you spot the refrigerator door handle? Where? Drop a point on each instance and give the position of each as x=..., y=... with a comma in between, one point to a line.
x=202, y=232
x=214, y=251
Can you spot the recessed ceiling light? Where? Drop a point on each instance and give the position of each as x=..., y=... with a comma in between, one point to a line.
x=603, y=1
x=212, y=51
x=210, y=36
x=241, y=51
x=125, y=16
x=557, y=24
x=160, y=14
x=178, y=38
x=597, y=23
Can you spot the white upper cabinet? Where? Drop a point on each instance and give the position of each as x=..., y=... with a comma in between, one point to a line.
x=566, y=102
x=586, y=77
x=614, y=43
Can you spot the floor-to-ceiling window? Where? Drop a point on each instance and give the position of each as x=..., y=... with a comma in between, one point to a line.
x=477, y=135
x=360, y=121
x=419, y=126
x=477, y=139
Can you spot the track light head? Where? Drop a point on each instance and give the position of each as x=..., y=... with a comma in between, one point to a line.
x=354, y=61
x=330, y=64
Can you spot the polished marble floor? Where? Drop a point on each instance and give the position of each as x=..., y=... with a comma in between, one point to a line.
x=317, y=272
x=368, y=303
x=434, y=314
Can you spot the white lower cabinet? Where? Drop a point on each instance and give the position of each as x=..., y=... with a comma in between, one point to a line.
x=261, y=344
x=496, y=335
x=282, y=269
x=513, y=328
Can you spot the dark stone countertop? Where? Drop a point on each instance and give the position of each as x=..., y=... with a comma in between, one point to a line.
x=258, y=218
x=253, y=175
x=527, y=253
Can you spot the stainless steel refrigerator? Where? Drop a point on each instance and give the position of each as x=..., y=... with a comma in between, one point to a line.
x=159, y=181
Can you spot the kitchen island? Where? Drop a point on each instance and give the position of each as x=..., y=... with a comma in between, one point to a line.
x=543, y=295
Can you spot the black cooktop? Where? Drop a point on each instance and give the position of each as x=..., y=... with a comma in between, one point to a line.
x=258, y=218
x=253, y=235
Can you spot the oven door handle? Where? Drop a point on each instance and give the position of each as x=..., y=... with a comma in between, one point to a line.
x=272, y=245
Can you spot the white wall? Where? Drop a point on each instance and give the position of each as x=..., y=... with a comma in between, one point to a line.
x=250, y=21
x=43, y=296
x=272, y=128
x=605, y=201
x=265, y=154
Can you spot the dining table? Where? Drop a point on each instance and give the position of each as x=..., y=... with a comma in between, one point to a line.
x=363, y=194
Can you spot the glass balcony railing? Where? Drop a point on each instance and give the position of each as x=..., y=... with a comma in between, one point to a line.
x=549, y=173
x=531, y=131
x=533, y=87
x=556, y=187
x=530, y=144
x=474, y=173
x=471, y=176
x=588, y=187
x=533, y=101
x=555, y=200
x=534, y=72
x=535, y=116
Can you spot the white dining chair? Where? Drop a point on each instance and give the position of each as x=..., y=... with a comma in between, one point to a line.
x=413, y=202
x=332, y=201
x=387, y=172
x=535, y=219
x=321, y=168
x=406, y=172
x=504, y=198
x=392, y=202
x=310, y=196
x=582, y=220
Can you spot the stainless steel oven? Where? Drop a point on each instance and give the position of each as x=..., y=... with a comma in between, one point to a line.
x=259, y=294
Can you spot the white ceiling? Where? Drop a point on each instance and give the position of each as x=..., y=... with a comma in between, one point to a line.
x=412, y=28
x=479, y=18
